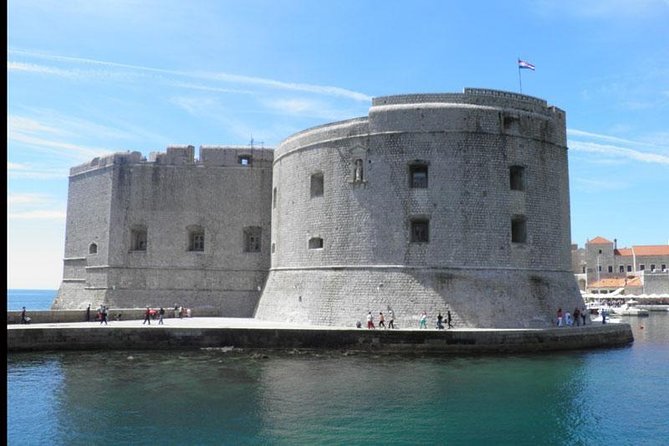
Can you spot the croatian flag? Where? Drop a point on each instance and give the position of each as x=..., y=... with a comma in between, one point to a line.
x=523, y=64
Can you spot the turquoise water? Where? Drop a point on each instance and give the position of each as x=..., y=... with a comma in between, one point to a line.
x=603, y=397
x=31, y=299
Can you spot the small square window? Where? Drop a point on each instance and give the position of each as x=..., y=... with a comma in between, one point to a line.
x=420, y=231
x=138, y=240
x=252, y=237
x=629, y=268
x=315, y=243
x=642, y=267
x=245, y=160
x=418, y=176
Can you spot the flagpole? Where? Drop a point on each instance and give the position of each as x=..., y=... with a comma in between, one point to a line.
x=520, y=81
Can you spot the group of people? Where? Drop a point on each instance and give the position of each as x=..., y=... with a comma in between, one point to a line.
x=422, y=320
x=382, y=320
x=571, y=319
x=422, y=323
x=151, y=314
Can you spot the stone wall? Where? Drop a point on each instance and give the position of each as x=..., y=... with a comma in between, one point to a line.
x=341, y=243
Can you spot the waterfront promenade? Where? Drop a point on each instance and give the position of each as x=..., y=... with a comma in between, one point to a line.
x=249, y=333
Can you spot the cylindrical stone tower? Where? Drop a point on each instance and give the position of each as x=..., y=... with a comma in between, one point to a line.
x=435, y=203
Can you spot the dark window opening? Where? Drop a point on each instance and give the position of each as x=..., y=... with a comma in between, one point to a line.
x=245, y=160
x=610, y=269
x=93, y=248
x=252, y=236
x=622, y=268
x=629, y=268
x=418, y=176
x=518, y=229
x=317, y=185
x=138, y=240
x=274, y=198
x=315, y=243
x=642, y=267
x=196, y=241
x=517, y=177
x=420, y=231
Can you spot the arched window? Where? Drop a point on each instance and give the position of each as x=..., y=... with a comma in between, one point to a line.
x=93, y=248
x=358, y=174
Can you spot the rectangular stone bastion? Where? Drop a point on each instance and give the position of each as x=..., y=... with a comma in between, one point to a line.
x=227, y=334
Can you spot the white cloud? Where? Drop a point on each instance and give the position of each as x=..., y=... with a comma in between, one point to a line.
x=230, y=78
x=620, y=152
x=21, y=199
x=37, y=215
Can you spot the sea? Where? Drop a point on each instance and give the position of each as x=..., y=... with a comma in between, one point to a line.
x=614, y=396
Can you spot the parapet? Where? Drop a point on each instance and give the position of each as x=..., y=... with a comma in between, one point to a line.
x=109, y=160
x=184, y=155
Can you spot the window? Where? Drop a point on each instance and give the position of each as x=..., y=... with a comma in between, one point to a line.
x=138, y=239
x=600, y=251
x=317, y=185
x=315, y=243
x=418, y=176
x=517, y=177
x=252, y=236
x=420, y=230
x=245, y=160
x=629, y=268
x=358, y=171
x=652, y=267
x=518, y=229
x=93, y=248
x=196, y=240
x=599, y=268
x=642, y=267
x=274, y=198
x=610, y=269
x=664, y=267
x=273, y=248
x=622, y=268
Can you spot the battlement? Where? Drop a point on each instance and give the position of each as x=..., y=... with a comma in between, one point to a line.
x=184, y=155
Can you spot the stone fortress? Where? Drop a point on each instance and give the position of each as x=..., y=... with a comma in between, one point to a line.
x=432, y=202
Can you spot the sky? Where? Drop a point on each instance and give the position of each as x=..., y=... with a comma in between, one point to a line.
x=88, y=78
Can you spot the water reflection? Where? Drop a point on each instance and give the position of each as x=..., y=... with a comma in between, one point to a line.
x=210, y=397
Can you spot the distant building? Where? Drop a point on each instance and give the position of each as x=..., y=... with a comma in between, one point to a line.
x=603, y=268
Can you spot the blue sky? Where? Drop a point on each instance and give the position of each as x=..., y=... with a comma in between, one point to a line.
x=86, y=78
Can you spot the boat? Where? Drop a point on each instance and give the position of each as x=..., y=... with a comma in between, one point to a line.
x=597, y=319
x=630, y=308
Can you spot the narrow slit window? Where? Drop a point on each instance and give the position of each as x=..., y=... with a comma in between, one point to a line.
x=317, y=185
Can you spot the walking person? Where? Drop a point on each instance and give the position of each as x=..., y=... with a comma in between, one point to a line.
x=161, y=313
x=577, y=316
x=382, y=320
x=440, y=318
x=147, y=316
x=88, y=313
x=584, y=315
x=391, y=323
x=423, y=320
x=24, y=318
x=103, y=315
x=448, y=318
x=176, y=310
x=370, y=320
x=559, y=317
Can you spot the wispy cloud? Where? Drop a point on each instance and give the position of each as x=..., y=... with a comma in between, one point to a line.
x=219, y=77
x=616, y=148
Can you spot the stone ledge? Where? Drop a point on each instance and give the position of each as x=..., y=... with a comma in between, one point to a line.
x=87, y=336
